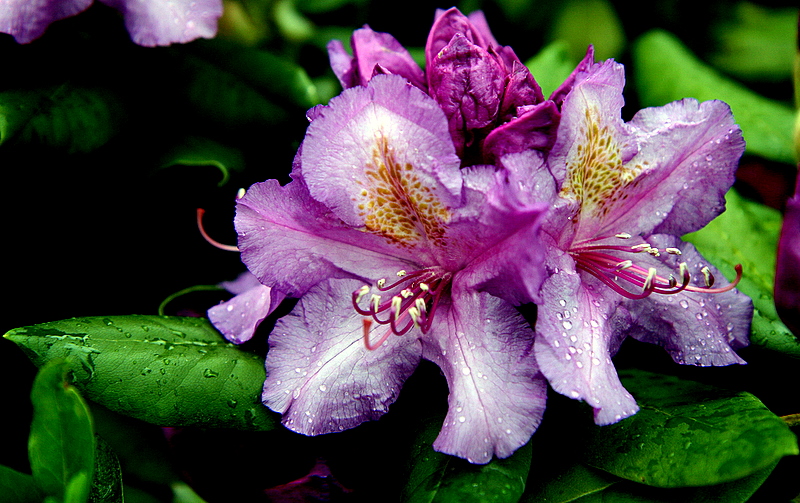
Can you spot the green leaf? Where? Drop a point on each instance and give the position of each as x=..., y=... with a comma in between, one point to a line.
x=759, y=44
x=199, y=151
x=572, y=482
x=439, y=478
x=747, y=233
x=689, y=434
x=551, y=66
x=107, y=483
x=18, y=487
x=61, y=444
x=65, y=117
x=218, y=95
x=165, y=370
x=666, y=71
x=584, y=22
x=267, y=73
x=738, y=491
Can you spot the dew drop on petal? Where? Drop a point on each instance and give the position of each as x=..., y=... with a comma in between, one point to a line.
x=466, y=371
x=567, y=324
x=684, y=304
x=323, y=388
x=461, y=419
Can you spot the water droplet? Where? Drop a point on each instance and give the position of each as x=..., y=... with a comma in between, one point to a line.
x=461, y=419
x=323, y=388
x=579, y=365
x=574, y=393
x=232, y=403
x=229, y=308
x=699, y=316
x=466, y=371
x=210, y=373
x=567, y=324
x=562, y=302
x=684, y=304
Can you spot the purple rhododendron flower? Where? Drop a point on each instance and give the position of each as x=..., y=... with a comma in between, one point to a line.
x=621, y=194
x=149, y=22
x=787, y=273
x=397, y=254
x=492, y=102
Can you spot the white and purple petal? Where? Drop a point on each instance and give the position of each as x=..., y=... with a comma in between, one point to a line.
x=575, y=340
x=320, y=375
x=497, y=394
x=291, y=242
x=694, y=328
x=27, y=20
x=152, y=23
x=787, y=268
x=238, y=318
x=371, y=49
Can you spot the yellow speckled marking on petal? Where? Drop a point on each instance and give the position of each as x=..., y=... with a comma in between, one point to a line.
x=596, y=176
x=397, y=203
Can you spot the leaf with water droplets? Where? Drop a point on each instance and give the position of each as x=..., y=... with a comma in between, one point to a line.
x=444, y=479
x=747, y=233
x=689, y=434
x=61, y=446
x=169, y=371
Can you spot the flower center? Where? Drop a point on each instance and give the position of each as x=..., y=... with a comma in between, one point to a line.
x=409, y=302
x=597, y=260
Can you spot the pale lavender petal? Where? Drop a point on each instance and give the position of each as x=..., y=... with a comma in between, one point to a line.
x=667, y=170
x=787, y=272
x=468, y=84
x=372, y=48
x=27, y=20
x=535, y=129
x=575, y=340
x=497, y=394
x=320, y=375
x=509, y=261
x=152, y=22
x=239, y=317
x=578, y=74
x=343, y=65
x=695, y=328
x=243, y=282
x=291, y=242
x=380, y=157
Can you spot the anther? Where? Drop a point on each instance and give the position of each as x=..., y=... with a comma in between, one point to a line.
x=420, y=305
x=397, y=302
x=381, y=282
x=707, y=276
x=623, y=265
x=415, y=316
x=654, y=252
x=641, y=247
x=361, y=293
x=240, y=193
x=376, y=302
x=648, y=282
x=623, y=235
x=424, y=287
x=401, y=273
x=406, y=293
x=672, y=251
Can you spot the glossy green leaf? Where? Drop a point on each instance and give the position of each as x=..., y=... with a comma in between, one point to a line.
x=689, y=434
x=61, y=445
x=758, y=44
x=738, y=491
x=217, y=95
x=107, y=483
x=585, y=22
x=199, y=151
x=747, y=233
x=573, y=482
x=551, y=66
x=267, y=73
x=18, y=487
x=65, y=117
x=665, y=70
x=439, y=478
x=166, y=370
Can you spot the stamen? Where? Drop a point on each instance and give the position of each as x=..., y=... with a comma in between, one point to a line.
x=419, y=304
x=640, y=247
x=707, y=276
x=401, y=273
x=361, y=293
x=200, y=213
x=672, y=251
x=424, y=287
x=376, y=301
x=240, y=193
x=406, y=293
x=654, y=252
x=381, y=282
x=623, y=265
x=648, y=282
x=396, y=303
x=623, y=235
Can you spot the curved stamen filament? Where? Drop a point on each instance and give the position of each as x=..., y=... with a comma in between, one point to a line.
x=613, y=271
x=200, y=213
x=413, y=302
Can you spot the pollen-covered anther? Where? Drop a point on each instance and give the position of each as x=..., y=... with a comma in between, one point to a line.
x=708, y=278
x=654, y=252
x=362, y=292
x=641, y=247
x=401, y=273
x=672, y=251
x=624, y=265
x=648, y=282
x=381, y=282
x=623, y=235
